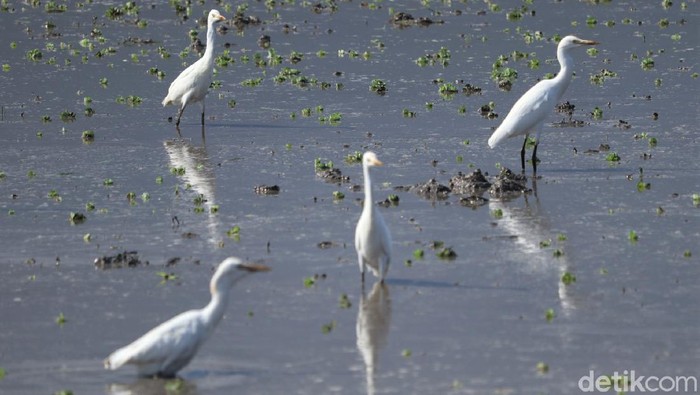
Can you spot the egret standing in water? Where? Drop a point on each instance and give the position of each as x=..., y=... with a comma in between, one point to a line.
x=529, y=112
x=192, y=84
x=372, y=238
x=170, y=346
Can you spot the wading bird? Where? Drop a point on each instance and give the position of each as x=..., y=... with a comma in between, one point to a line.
x=372, y=238
x=170, y=346
x=529, y=112
x=192, y=84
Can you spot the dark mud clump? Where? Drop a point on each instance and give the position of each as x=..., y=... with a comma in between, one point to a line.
x=120, y=260
x=509, y=185
x=431, y=190
x=565, y=108
x=473, y=201
x=333, y=175
x=469, y=184
x=403, y=19
x=267, y=189
x=470, y=89
x=241, y=21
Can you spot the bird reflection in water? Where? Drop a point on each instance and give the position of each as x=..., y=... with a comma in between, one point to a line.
x=530, y=227
x=151, y=386
x=373, y=322
x=192, y=162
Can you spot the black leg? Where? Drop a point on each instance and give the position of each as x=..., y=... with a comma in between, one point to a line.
x=522, y=153
x=534, y=157
x=179, y=115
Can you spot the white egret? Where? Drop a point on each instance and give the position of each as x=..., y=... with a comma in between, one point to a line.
x=372, y=238
x=192, y=84
x=529, y=112
x=170, y=346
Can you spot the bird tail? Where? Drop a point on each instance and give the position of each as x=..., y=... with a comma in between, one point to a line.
x=116, y=359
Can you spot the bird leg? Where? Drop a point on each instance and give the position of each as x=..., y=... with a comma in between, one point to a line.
x=179, y=115
x=534, y=157
x=202, y=112
x=522, y=153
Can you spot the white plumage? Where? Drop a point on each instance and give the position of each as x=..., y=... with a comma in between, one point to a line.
x=530, y=111
x=192, y=84
x=372, y=238
x=170, y=346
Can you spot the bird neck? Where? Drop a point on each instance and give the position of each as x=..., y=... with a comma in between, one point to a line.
x=566, y=63
x=211, y=38
x=368, y=189
x=214, y=311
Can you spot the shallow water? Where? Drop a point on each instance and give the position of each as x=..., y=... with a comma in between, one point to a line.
x=475, y=324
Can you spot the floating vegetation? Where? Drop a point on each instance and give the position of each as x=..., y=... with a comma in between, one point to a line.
x=76, y=218
x=441, y=57
x=497, y=213
x=34, y=55
x=406, y=353
x=234, y=232
x=408, y=113
x=120, y=260
x=337, y=195
x=166, y=277
x=131, y=100
x=418, y=253
x=647, y=63
x=252, y=82
x=355, y=157
x=612, y=157
x=597, y=113
x=549, y=315
x=88, y=136
x=567, y=278
x=601, y=76
x=378, y=86
x=328, y=328
x=67, y=116
x=447, y=89
x=446, y=253
x=633, y=237
x=344, y=301
x=61, y=319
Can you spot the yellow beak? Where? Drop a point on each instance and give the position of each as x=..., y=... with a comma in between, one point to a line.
x=586, y=42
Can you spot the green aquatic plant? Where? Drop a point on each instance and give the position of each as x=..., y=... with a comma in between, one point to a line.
x=418, y=253
x=406, y=353
x=597, y=113
x=344, y=301
x=612, y=157
x=88, y=136
x=378, y=86
x=355, y=157
x=309, y=282
x=549, y=315
x=166, y=277
x=446, y=253
x=647, y=63
x=327, y=328
x=61, y=319
x=76, y=218
x=567, y=278
x=633, y=237
x=337, y=195
x=108, y=182
x=320, y=165
x=497, y=213
x=687, y=254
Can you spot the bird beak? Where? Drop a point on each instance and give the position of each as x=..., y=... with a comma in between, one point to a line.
x=222, y=18
x=377, y=162
x=586, y=42
x=254, y=267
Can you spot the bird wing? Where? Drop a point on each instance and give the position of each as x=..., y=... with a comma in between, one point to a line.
x=171, y=340
x=183, y=83
x=384, y=235
x=528, y=112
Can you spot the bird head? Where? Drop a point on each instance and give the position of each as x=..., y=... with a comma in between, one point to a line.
x=231, y=270
x=573, y=41
x=369, y=159
x=215, y=17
